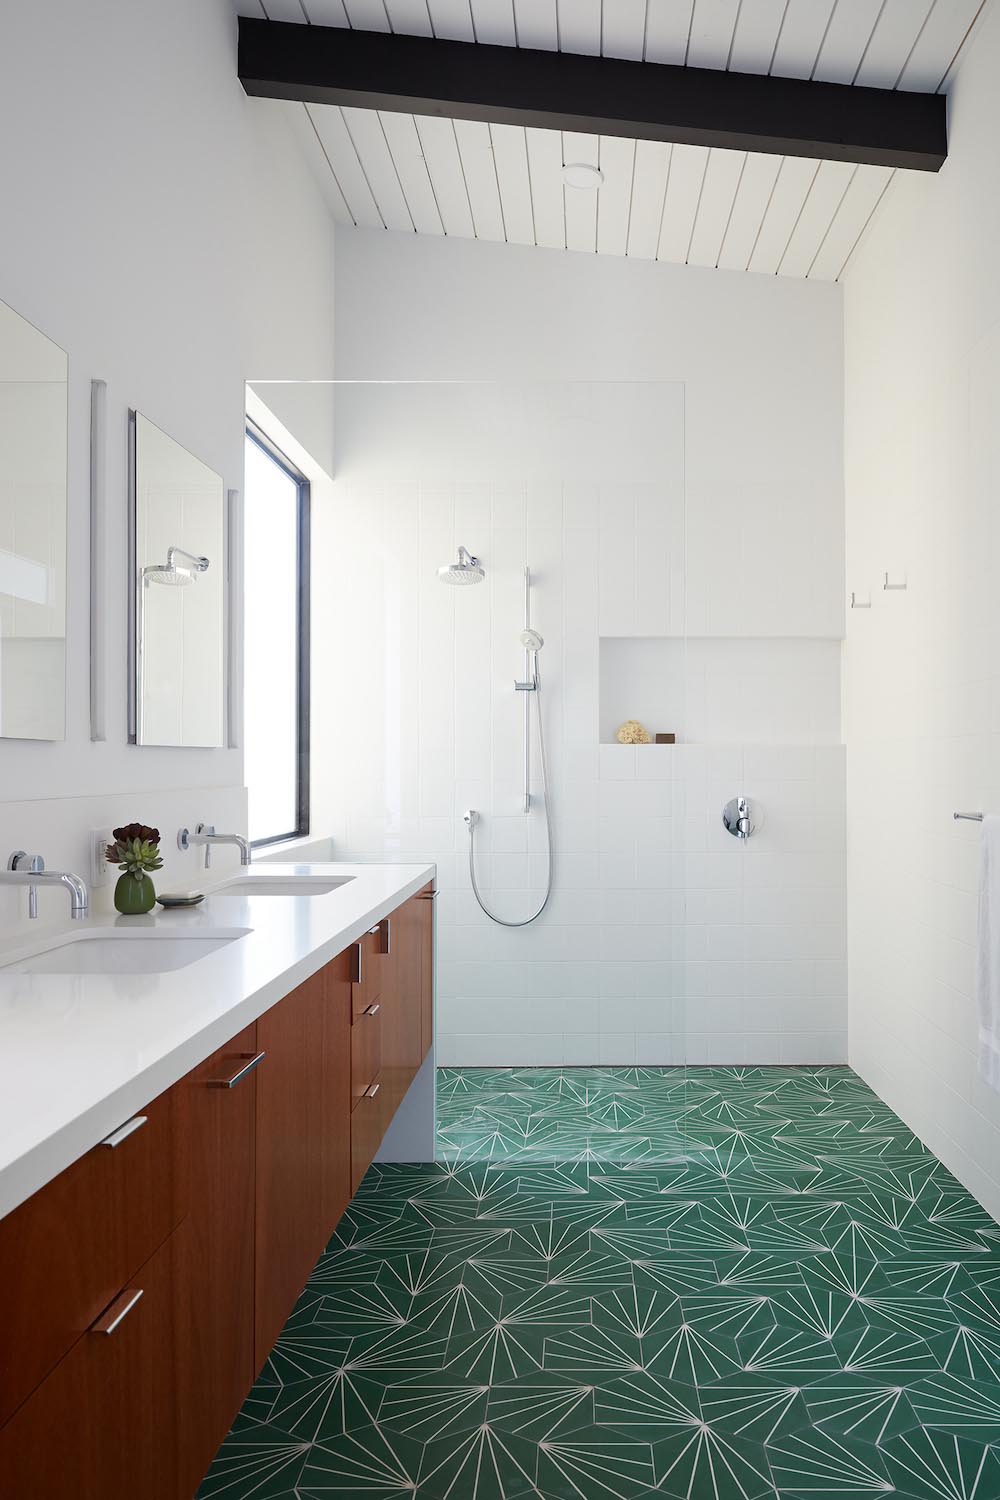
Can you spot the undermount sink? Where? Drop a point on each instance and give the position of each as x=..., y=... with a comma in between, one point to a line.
x=281, y=885
x=110, y=951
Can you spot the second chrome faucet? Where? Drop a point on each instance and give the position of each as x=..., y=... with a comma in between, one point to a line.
x=205, y=834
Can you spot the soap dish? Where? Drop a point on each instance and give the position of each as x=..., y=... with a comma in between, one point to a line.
x=181, y=898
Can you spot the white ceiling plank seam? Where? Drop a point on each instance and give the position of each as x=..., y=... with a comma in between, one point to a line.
x=617, y=162
x=864, y=228
x=758, y=28
x=475, y=149
x=757, y=181
x=409, y=17
x=544, y=149
x=493, y=22
x=335, y=139
x=444, y=165
x=668, y=30
x=325, y=13
x=408, y=156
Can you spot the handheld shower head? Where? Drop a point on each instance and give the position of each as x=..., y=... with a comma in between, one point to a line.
x=531, y=640
x=467, y=570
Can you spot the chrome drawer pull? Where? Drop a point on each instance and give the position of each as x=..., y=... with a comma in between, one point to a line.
x=429, y=896
x=372, y=1010
x=372, y=1090
x=124, y=1131
x=119, y=1310
x=357, y=963
x=248, y=1067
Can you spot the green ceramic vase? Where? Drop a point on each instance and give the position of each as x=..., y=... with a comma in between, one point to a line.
x=133, y=898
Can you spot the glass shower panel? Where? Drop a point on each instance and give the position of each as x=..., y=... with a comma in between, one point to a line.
x=581, y=483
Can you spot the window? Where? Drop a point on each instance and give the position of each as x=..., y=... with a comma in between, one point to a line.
x=275, y=642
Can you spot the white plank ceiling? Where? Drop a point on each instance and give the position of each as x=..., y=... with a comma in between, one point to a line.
x=784, y=216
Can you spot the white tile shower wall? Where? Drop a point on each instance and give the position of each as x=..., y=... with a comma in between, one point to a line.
x=664, y=938
x=922, y=675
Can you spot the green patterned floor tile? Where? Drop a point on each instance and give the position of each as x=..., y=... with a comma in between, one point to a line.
x=621, y=1284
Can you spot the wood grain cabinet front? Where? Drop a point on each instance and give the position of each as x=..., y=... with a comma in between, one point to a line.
x=104, y=1424
x=69, y=1249
x=216, y=1292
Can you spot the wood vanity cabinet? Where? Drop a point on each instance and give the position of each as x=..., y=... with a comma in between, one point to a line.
x=303, y=1139
x=216, y=1355
x=142, y=1289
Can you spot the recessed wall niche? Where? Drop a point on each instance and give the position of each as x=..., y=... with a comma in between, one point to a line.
x=722, y=691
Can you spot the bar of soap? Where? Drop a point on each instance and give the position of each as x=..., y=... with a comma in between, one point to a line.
x=180, y=898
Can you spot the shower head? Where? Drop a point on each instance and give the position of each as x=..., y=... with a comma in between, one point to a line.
x=531, y=640
x=175, y=574
x=468, y=569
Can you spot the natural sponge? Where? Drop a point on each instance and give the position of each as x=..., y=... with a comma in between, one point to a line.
x=633, y=733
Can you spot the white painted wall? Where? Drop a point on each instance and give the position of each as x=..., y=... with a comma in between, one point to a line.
x=663, y=446
x=922, y=666
x=162, y=229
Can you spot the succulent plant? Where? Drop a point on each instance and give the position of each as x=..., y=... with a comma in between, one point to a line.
x=136, y=850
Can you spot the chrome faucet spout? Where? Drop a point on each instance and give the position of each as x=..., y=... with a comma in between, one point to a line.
x=206, y=836
x=29, y=870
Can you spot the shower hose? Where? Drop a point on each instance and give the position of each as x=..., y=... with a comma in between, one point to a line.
x=472, y=819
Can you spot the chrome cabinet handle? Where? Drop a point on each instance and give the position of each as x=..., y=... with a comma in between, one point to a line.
x=357, y=963
x=124, y=1131
x=372, y=1010
x=117, y=1312
x=372, y=1090
x=385, y=928
x=429, y=896
x=248, y=1067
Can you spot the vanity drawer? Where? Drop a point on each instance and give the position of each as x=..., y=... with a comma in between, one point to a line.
x=67, y=1251
x=104, y=1424
x=370, y=958
x=366, y=1052
x=368, y=1124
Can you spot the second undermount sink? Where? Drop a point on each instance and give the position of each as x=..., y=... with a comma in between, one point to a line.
x=281, y=885
x=114, y=951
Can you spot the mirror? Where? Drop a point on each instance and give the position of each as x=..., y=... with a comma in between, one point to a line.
x=177, y=592
x=33, y=384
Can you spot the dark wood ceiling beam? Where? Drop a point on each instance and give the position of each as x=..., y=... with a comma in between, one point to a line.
x=595, y=95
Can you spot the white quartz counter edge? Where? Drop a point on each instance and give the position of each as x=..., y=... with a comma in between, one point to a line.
x=79, y=1054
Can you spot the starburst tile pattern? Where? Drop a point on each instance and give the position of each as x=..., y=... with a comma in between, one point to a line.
x=628, y=1283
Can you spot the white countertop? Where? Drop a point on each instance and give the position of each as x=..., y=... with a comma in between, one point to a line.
x=80, y=1053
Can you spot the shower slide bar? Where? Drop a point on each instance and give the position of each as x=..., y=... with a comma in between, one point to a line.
x=969, y=817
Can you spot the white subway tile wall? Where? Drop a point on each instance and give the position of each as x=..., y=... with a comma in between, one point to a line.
x=665, y=938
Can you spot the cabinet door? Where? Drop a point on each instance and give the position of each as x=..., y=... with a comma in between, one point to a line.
x=401, y=1008
x=103, y=1425
x=370, y=969
x=292, y=1156
x=72, y=1246
x=216, y=1329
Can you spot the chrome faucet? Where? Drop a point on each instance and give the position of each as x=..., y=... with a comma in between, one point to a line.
x=204, y=833
x=29, y=870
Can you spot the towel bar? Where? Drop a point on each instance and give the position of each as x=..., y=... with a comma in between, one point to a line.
x=970, y=817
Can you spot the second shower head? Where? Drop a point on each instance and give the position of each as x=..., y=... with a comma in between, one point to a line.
x=467, y=570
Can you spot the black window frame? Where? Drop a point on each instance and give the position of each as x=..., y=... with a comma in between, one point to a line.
x=260, y=438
